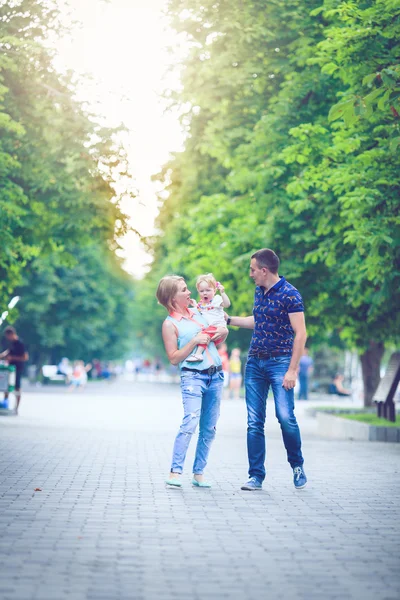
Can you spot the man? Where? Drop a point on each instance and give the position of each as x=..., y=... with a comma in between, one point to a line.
x=277, y=344
x=15, y=355
x=305, y=368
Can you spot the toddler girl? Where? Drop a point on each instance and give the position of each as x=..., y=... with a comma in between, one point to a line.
x=211, y=306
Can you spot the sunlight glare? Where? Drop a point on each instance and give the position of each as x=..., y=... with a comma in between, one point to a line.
x=122, y=46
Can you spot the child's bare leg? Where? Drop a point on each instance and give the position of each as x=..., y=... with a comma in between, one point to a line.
x=198, y=354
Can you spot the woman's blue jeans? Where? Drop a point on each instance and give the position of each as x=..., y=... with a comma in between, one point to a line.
x=259, y=376
x=201, y=395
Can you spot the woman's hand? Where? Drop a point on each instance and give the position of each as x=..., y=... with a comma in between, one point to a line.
x=201, y=338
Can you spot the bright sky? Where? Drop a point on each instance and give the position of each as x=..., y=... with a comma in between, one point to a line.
x=122, y=45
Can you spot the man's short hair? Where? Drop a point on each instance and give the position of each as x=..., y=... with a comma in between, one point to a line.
x=9, y=330
x=267, y=259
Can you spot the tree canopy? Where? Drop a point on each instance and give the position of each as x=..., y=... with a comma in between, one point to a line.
x=60, y=215
x=292, y=118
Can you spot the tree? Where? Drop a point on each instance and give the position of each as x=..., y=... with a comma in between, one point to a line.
x=352, y=171
x=60, y=216
x=84, y=311
x=268, y=163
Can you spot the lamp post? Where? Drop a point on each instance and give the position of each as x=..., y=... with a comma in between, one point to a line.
x=11, y=305
x=13, y=302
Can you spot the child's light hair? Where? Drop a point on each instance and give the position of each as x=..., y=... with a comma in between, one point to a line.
x=167, y=289
x=209, y=279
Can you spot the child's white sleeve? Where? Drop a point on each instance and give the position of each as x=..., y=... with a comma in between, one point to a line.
x=217, y=301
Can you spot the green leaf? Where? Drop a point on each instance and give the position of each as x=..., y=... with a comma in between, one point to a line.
x=337, y=111
x=388, y=81
x=383, y=102
x=369, y=79
x=329, y=68
x=372, y=96
x=394, y=142
x=317, y=11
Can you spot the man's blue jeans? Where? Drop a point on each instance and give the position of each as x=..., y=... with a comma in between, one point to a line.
x=201, y=395
x=259, y=376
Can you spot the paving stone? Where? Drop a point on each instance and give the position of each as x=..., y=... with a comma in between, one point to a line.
x=105, y=526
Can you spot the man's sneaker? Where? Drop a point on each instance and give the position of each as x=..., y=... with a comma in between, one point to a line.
x=299, y=478
x=252, y=484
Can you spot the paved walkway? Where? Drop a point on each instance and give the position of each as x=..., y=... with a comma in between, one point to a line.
x=103, y=525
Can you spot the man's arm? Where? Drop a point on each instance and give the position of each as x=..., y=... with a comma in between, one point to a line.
x=243, y=322
x=298, y=324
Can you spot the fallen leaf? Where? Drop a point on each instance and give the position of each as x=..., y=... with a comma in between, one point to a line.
x=38, y=490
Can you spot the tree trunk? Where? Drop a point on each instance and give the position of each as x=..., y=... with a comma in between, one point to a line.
x=370, y=364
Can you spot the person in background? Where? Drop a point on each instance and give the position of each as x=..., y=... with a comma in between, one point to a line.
x=305, y=369
x=336, y=387
x=16, y=355
x=235, y=374
x=64, y=368
x=79, y=375
x=223, y=352
x=96, y=370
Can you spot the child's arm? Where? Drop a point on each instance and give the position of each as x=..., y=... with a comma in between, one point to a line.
x=225, y=299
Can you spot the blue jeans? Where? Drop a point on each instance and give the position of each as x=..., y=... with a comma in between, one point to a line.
x=201, y=395
x=259, y=376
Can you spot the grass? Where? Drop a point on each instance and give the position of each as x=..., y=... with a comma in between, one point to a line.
x=360, y=415
x=369, y=418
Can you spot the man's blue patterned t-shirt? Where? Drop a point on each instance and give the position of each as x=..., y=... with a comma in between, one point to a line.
x=273, y=332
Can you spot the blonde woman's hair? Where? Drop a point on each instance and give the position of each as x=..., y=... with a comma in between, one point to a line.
x=167, y=289
x=209, y=278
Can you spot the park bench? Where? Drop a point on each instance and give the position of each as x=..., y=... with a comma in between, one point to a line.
x=50, y=374
x=385, y=394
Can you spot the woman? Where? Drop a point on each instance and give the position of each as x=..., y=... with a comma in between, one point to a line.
x=201, y=386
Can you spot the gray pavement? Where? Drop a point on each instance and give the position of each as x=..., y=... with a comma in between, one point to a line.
x=104, y=526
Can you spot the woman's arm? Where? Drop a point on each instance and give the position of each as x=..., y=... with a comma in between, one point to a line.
x=170, y=340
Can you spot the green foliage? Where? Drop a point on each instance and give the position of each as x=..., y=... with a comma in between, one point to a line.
x=84, y=311
x=59, y=213
x=293, y=129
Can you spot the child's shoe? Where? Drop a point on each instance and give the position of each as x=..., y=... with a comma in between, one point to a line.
x=194, y=358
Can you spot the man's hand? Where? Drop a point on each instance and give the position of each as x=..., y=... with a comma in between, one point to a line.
x=289, y=381
x=221, y=331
